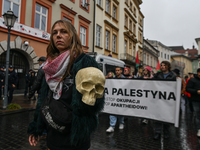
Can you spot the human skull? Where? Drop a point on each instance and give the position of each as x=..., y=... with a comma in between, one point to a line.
x=90, y=82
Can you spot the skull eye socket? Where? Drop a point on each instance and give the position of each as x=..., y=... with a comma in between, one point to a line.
x=99, y=88
x=87, y=85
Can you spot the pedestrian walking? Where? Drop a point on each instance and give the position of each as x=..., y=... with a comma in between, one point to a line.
x=2, y=77
x=27, y=78
x=65, y=58
x=183, y=86
x=166, y=74
x=113, y=118
x=188, y=95
x=12, y=83
x=193, y=87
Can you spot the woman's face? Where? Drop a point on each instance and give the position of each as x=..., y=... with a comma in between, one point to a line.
x=110, y=74
x=60, y=37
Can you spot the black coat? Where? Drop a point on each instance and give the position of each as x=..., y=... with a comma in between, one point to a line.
x=12, y=78
x=37, y=83
x=2, y=76
x=171, y=76
x=192, y=87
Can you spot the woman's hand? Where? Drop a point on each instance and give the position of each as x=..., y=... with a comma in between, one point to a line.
x=146, y=77
x=33, y=140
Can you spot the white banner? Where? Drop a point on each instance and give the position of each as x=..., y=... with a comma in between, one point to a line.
x=27, y=30
x=153, y=99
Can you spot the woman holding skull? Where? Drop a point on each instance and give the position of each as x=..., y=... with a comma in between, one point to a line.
x=65, y=66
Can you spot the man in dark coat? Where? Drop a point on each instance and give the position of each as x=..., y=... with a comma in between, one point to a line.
x=2, y=77
x=38, y=81
x=193, y=87
x=12, y=83
x=165, y=73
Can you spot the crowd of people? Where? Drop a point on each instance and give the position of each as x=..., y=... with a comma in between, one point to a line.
x=190, y=91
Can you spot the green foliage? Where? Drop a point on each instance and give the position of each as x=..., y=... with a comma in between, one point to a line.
x=13, y=106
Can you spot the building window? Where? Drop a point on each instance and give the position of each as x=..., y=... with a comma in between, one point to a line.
x=83, y=35
x=107, y=40
x=134, y=28
x=107, y=6
x=161, y=55
x=134, y=11
x=84, y=4
x=67, y=19
x=154, y=62
x=133, y=50
x=126, y=21
x=41, y=17
x=125, y=46
x=189, y=55
x=99, y=2
x=151, y=61
x=98, y=35
x=114, y=12
x=131, y=6
x=144, y=58
x=130, y=25
x=14, y=5
x=168, y=57
x=147, y=59
x=114, y=43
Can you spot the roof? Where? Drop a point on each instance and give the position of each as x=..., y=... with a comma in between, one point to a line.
x=176, y=48
x=191, y=52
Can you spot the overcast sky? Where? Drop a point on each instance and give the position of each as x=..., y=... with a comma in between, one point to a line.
x=172, y=22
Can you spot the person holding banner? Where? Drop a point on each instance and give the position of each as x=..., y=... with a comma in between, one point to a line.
x=165, y=73
x=193, y=87
x=146, y=75
x=127, y=72
x=113, y=119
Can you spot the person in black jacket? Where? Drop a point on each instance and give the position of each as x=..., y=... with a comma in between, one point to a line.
x=193, y=87
x=2, y=77
x=38, y=81
x=165, y=73
x=12, y=83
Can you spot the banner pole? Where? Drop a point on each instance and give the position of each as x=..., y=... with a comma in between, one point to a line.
x=178, y=98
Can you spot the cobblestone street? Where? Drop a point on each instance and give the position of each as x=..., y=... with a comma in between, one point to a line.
x=135, y=135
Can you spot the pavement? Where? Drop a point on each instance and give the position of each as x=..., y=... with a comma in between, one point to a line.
x=19, y=99
x=134, y=136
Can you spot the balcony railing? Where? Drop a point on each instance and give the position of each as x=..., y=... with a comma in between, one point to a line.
x=127, y=57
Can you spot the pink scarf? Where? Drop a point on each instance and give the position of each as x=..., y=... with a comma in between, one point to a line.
x=54, y=71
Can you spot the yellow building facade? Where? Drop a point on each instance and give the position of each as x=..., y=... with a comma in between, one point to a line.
x=119, y=30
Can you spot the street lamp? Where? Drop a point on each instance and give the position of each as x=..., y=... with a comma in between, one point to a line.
x=9, y=19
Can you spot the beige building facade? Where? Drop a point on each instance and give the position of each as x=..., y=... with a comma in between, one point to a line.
x=150, y=56
x=119, y=30
x=164, y=51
